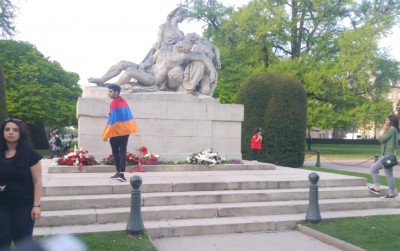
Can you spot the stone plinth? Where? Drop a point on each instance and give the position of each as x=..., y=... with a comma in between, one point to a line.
x=163, y=168
x=173, y=125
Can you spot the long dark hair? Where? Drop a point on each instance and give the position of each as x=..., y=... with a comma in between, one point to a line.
x=394, y=121
x=24, y=146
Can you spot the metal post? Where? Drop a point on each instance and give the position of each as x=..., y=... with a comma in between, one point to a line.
x=318, y=164
x=135, y=222
x=376, y=157
x=313, y=215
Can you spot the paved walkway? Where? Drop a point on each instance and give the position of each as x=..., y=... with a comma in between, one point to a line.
x=353, y=165
x=276, y=241
x=272, y=241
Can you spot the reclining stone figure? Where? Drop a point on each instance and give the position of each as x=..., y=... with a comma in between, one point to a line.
x=166, y=67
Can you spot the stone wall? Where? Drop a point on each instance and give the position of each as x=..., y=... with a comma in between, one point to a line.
x=173, y=125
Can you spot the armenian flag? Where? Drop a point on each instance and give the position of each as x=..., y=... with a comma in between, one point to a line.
x=121, y=120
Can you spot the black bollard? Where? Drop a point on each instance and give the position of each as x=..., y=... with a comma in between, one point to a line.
x=318, y=164
x=135, y=222
x=376, y=157
x=313, y=215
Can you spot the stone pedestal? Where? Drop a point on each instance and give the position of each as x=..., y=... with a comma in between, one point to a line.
x=173, y=125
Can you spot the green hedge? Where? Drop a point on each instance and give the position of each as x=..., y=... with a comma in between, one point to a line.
x=277, y=103
x=39, y=136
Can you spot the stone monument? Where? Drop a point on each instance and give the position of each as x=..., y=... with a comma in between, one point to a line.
x=170, y=95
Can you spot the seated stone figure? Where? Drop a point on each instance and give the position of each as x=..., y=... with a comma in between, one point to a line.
x=192, y=76
x=196, y=77
x=169, y=31
x=168, y=59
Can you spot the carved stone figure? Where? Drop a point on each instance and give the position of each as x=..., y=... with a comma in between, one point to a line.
x=196, y=77
x=167, y=66
x=175, y=63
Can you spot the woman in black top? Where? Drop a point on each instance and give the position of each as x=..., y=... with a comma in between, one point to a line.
x=20, y=183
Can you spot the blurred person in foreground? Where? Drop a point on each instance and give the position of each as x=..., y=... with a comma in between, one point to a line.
x=20, y=183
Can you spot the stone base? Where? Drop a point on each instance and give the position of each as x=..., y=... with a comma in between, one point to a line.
x=173, y=125
x=163, y=168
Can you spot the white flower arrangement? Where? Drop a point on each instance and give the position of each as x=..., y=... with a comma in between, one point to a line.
x=206, y=157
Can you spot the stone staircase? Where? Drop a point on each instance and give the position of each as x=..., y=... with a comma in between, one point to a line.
x=202, y=202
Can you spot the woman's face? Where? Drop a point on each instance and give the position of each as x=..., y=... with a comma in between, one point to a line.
x=11, y=132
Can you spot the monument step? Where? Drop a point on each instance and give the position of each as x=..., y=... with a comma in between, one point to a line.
x=163, y=168
x=51, y=203
x=185, y=227
x=215, y=210
x=164, y=184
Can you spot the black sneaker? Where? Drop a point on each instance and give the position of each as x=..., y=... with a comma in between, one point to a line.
x=121, y=177
x=115, y=176
x=374, y=191
x=387, y=196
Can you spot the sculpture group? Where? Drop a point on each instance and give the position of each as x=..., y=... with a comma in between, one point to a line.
x=177, y=62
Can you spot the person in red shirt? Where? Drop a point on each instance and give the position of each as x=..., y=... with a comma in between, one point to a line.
x=256, y=143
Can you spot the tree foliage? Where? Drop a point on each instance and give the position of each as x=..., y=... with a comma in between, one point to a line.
x=38, y=89
x=7, y=15
x=7, y=29
x=329, y=46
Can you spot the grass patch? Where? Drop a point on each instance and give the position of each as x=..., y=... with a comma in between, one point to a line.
x=348, y=151
x=115, y=241
x=47, y=152
x=370, y=233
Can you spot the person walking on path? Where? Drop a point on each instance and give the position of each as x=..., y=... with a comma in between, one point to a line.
x=20, y=184
x=309, y=141
x=388, y=141
x=57, y=144
x=52, y=146
x=256, y=143
x=120, y=125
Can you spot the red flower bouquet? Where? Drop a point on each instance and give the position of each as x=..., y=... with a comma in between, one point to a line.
x=77, y=157
x=131, y=159
x=148, y=158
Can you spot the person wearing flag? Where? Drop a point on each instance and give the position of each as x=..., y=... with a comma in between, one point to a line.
x=119, y=126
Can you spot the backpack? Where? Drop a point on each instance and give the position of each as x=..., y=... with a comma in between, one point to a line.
x=57, y=141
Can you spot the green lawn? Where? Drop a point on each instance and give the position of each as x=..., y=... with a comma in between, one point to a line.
x=363, y=231
x=114, y=241
x=372, y=233
x=117, y=241
x=46, y=152
x=340, y=151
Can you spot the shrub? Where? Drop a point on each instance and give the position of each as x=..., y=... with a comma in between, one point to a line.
x=277, y=103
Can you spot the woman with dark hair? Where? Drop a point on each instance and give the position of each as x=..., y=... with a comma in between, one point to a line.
x=20, y=183
x=389, y=140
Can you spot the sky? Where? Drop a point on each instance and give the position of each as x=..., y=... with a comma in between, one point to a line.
x=89, y=36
